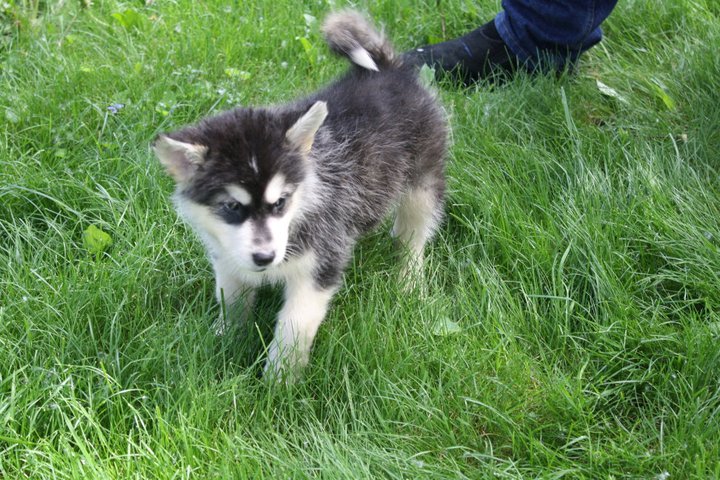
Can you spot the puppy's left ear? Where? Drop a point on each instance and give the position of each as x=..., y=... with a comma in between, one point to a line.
x=302, y=134
x=180, y=159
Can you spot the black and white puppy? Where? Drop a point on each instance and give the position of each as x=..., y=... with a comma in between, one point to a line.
x=281, y=194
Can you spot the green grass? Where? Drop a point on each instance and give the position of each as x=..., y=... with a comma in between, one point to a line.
x=580, y=258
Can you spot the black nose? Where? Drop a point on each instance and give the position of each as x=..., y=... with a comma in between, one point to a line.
x=264, y=258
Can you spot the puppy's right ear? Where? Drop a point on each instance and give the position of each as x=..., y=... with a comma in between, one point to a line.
x=180, y=159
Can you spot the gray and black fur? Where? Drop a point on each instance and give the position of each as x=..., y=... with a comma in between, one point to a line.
x=381, y=145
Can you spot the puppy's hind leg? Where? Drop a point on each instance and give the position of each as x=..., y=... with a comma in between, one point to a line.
x=418, y=216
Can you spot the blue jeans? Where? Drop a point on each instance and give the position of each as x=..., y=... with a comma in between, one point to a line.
x=556, y=31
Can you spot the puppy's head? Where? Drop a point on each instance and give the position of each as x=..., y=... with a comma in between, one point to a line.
x=239, y=179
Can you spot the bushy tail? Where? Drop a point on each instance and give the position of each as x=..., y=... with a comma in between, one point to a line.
x=349, y=34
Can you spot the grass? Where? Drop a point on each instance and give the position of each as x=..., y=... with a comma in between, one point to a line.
x=580, y=258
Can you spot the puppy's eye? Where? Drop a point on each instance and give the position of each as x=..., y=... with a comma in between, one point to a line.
x=279, y=206
x=232, y=212
x=231, y=206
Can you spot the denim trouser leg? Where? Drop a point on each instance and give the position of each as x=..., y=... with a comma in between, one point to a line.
x=555, y=30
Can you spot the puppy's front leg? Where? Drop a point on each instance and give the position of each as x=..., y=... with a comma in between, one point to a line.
x=234, y=297
x=303, y=312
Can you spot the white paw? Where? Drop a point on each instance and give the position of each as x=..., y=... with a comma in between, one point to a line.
x=220, y=325
x=284, y=365
x=411, y=275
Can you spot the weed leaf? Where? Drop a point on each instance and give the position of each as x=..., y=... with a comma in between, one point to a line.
x=128, y=19
x=95, y=240
x=609, y=91
x=444, y=327
x=661, y=92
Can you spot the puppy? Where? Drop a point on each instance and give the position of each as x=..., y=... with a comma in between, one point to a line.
x=282, y=194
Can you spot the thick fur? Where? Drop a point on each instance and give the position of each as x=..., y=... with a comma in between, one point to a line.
x=282, y=194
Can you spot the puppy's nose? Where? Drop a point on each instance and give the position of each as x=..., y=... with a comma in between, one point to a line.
x=263, y=259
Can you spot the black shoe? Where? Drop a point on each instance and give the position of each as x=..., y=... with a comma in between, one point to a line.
x=479, y=54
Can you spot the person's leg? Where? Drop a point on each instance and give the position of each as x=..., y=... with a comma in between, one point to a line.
x=528, y=33
x=555, y=31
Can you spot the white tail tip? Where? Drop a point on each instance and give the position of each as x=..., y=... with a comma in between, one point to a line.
x=361, y=57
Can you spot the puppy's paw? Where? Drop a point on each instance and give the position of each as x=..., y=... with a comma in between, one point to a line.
x=220, y=326
x=284, y=365
x=412, y=278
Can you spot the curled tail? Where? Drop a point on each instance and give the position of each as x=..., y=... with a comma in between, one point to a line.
x=349, y=34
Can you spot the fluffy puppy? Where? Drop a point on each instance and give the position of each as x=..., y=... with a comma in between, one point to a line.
x=281, y=194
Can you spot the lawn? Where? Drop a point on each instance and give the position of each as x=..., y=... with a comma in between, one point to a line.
x=572, y=320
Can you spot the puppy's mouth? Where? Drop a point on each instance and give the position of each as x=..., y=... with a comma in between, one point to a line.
x=263, y=268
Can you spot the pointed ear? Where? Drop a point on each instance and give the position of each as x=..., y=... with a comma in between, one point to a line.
x=180, y=159
x=302, y=134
